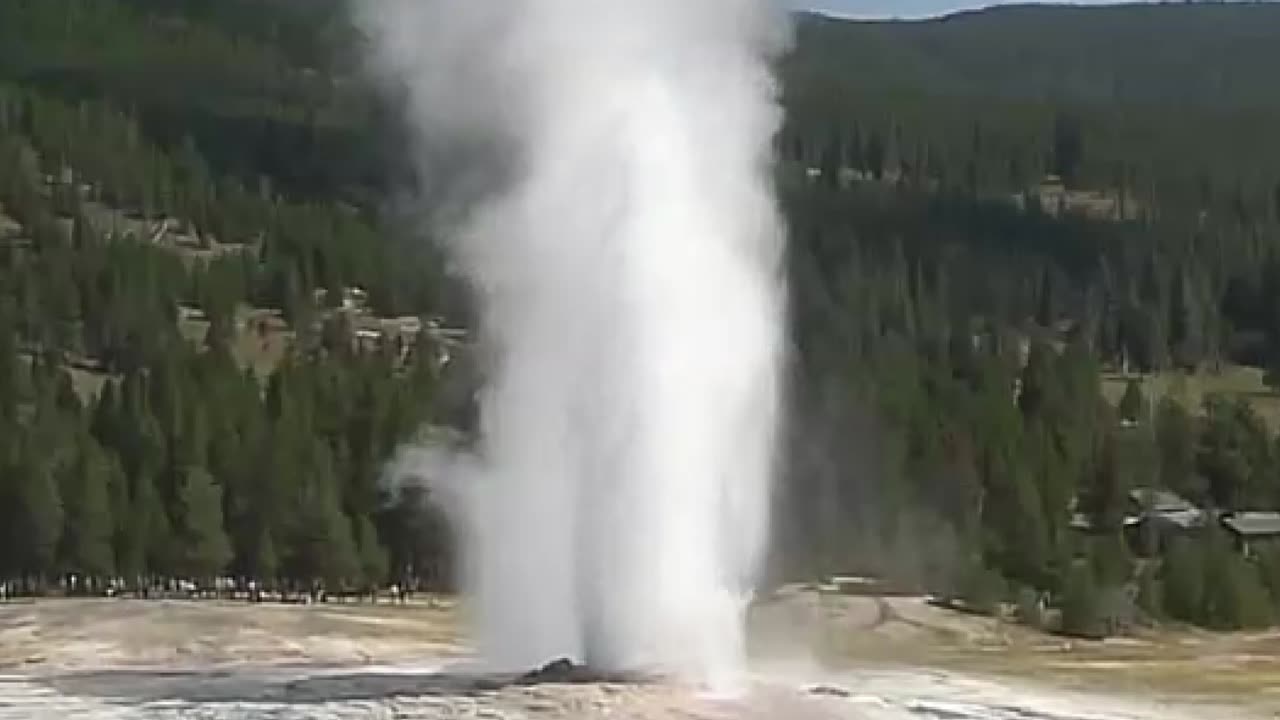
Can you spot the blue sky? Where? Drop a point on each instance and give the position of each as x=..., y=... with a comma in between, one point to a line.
x=906, y=8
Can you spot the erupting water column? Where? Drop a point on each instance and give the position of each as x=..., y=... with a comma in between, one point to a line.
x=625, y=247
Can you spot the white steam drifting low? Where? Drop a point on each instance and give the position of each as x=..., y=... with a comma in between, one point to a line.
x=625, y=251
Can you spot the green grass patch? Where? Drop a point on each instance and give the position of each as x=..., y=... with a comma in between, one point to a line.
x=1234, y=381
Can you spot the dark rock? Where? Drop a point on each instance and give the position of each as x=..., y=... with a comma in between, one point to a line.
x=829, y=691
x=562, y=671
x=566, y=672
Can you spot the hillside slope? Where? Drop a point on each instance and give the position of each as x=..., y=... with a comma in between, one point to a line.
x=1203, y=54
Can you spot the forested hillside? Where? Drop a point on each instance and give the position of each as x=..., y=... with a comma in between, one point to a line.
x=209, y=345
x=216, y=327
x=265, y=87
x=992, y=213
x=1197, y=54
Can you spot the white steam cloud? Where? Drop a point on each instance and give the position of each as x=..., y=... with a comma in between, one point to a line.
x=626, y=256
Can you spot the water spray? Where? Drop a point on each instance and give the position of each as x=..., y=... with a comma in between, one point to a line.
x=620, y=230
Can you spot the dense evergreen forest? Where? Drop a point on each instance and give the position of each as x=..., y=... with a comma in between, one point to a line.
x=991, y=215
x=163, y=226
x=993, y=218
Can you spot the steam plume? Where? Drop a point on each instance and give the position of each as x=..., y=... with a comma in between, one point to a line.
x=618, y=224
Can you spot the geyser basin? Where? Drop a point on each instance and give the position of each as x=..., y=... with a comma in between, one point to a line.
x=626, y=262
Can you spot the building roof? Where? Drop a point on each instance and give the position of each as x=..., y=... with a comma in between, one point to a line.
x=8, y=226
x=1084, y=521
x=1160, y=501
x=1253, y=523
x=1187, y=519
x=1162, y=507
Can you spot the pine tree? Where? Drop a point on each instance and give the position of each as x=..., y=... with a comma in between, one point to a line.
x=206, y=549
x=831, y=161
x=1150, y=599
x=417, y=536
x=1109, y=490
x=1110, y=560
x=1271, y=376
x=1081, y=611
x=1269, y=569
x=266, y=564
x=8, y=366
x=979, y=587
x=1176, y=442
x=153, y=547
x=87, y=540
x=1029, y=611
x=1027, y=545
x=1133, y=404
x=876, y=155
x=1186, y=326
x=1234, y=597
x=1224, y=455
x=107, y=418
x=321, y=546
x=1068, y=147
x=327, y=546
x=1039, y=393
x=373, y=558
x=39, y=514
x=1182, y=577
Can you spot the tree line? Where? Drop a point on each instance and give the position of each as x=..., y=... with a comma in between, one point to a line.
x=190, y=468
x=185, y=463
x=950, y=326
x=950, y=351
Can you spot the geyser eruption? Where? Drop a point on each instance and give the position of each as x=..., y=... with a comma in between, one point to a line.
x=626, y=260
